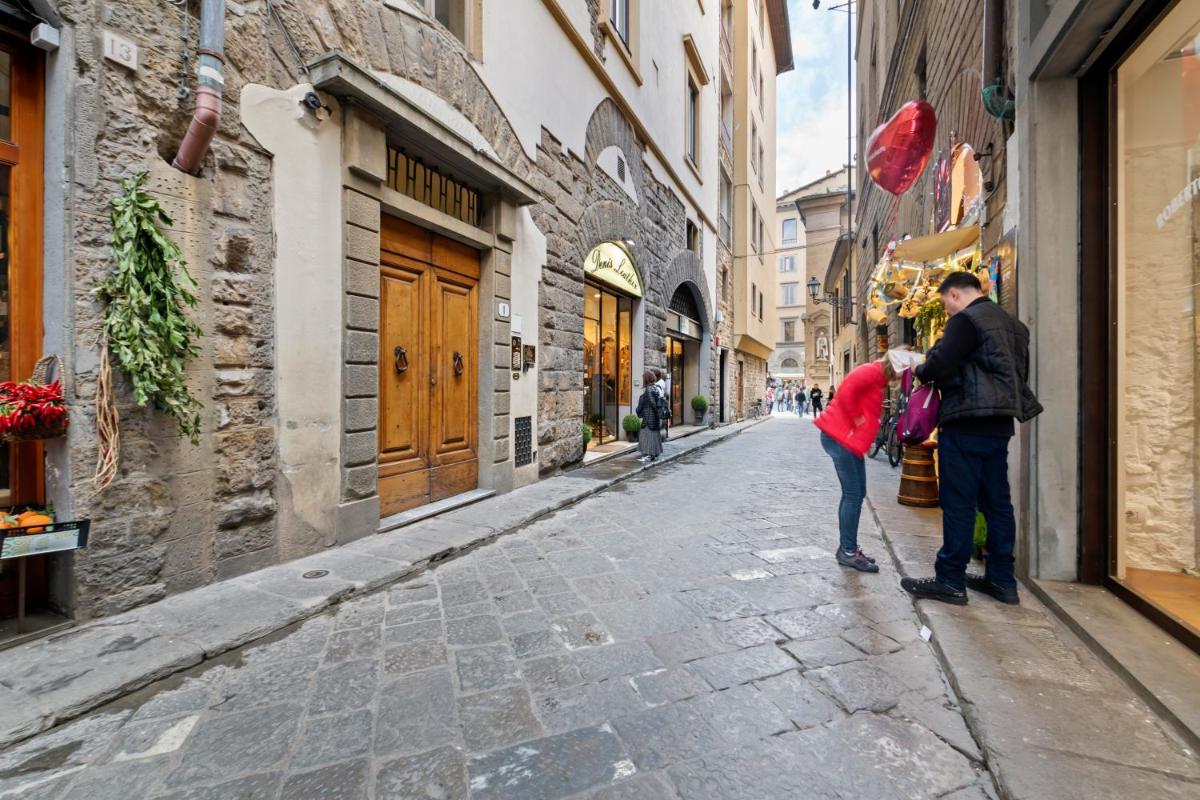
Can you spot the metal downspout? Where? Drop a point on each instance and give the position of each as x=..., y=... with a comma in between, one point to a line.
x=210, y=82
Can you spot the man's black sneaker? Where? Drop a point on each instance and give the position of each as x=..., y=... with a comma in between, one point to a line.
x=933, y=589
x=1005, y=594
x=858, y=560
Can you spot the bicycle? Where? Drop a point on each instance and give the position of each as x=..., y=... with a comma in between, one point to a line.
x=755, y=410
x=895, y=446
x=885, y=422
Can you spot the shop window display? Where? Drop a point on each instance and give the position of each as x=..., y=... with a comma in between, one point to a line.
x=1156, y=547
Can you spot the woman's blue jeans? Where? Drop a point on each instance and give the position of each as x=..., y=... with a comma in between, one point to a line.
x=852, y=474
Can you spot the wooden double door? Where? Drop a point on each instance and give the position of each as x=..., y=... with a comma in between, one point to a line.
x=428, y=375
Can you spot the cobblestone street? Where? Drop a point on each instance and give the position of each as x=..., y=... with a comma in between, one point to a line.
x=685, y=634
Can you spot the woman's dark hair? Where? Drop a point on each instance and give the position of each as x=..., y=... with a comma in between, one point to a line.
x=960, y=280
x=648, y=377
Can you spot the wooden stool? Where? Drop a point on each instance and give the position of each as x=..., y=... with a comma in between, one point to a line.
x=918, y=477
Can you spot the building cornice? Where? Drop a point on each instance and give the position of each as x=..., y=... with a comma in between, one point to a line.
x=781, y=35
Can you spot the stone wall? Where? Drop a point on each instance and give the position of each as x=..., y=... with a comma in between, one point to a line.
x=724, y=330
x=177, y=516
x=754, y=381
x=180, y=516
x=583, y=207
x=949, y=36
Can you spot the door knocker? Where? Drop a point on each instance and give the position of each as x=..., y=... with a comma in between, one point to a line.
x=401, y=360
x=458, y=364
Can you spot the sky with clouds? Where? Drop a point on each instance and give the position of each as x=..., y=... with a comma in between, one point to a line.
x=811, y=117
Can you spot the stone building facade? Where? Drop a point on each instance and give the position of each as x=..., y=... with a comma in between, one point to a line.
x=300, y=228
x=909, y=51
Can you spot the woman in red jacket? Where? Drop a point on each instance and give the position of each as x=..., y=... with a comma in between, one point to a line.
x=848, y=427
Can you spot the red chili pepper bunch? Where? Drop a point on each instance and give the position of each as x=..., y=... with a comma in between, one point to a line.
x=29, y=407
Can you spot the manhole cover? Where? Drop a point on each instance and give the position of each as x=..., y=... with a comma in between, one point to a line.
x=315, y=573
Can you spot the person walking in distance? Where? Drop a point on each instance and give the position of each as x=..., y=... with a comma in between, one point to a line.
x=650, y=409
x=816, y=400
x=981, y=367
x=847, y=429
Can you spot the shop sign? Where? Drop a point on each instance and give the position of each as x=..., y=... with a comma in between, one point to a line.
x=63, y=536
x=610, y=263
x=1185, y=196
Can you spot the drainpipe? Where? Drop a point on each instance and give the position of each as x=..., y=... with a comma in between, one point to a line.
x=210, y=82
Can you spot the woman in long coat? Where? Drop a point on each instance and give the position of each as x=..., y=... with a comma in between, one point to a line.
x=650, y=409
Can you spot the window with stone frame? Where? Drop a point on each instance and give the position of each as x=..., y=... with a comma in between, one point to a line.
x=753, y=143
x=787, y=264
x=787, y=330
x=461, y=18
x=753, y=297
x=789, y=294
x=726, y=208
x=790, y=231
x=693, y=237
x=618, y=17
x=693, y=121
x=753, y=226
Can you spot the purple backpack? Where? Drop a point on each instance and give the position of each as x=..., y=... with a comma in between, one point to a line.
x=920, y=416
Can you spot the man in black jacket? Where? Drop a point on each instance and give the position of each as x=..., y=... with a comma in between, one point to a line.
x=981, y=367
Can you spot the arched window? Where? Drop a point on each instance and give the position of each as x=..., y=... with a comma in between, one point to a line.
x=789, y=363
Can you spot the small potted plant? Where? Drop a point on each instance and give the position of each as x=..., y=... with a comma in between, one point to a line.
x=632, y=423
x=699, y=408
x=587, y=434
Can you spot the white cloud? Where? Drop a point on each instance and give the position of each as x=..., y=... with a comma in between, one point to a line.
x=813, y=144
x=811, y=119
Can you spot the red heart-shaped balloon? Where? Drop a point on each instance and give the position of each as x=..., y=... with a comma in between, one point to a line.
x=899, y=148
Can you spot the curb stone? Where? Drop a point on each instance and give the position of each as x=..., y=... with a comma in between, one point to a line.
x=53, y=680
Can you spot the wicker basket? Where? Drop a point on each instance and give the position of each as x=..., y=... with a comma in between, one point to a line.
x=46, y=367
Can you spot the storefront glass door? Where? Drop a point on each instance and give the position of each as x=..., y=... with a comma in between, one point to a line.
x=675, y=369
x=1155, y=551
x=607, y=364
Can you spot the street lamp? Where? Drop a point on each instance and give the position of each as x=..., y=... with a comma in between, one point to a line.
x=814, y=292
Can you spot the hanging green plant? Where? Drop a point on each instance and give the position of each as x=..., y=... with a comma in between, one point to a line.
x=930, y=317
x=146, y=296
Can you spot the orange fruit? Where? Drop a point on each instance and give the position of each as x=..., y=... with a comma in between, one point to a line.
x=36, y=519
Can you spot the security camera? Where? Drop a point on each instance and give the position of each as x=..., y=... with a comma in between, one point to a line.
x=312, y=102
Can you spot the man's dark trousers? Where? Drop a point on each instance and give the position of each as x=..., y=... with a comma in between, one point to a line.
x=973, y=474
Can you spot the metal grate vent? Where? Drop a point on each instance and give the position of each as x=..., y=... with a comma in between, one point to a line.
x=524, y=443
x=621, y=168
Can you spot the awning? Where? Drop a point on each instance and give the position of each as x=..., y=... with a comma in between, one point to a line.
x=936, y=246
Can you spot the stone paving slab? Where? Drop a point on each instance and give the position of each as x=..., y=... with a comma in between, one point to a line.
x=50, y=681
x=604, y=652
x=1050, y=718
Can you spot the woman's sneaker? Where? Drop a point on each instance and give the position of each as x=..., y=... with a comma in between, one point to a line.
x=858, y=560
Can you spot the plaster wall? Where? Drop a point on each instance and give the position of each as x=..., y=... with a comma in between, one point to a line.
x=305, y=170
x=528, y=257
x=525, y=39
